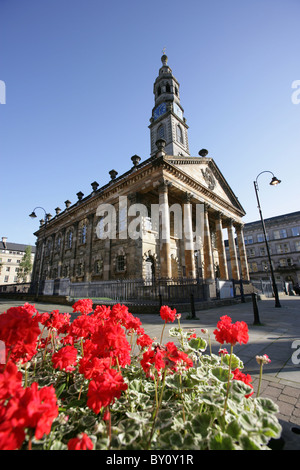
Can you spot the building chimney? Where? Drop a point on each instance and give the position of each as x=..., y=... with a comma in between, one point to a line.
x=4, y=239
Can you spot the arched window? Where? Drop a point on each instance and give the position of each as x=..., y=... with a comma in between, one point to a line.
x=120, y=263
x=161, y=132
x=83, y=232
x=158, y=91
x=168, y=88
x=98, y=266
x=69, y=239
x=179, y=134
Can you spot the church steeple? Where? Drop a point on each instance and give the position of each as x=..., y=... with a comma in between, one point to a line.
x=167, y=121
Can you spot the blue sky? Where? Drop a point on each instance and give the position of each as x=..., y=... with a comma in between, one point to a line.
x=79, y=80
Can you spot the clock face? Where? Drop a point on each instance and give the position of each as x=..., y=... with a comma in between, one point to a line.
x=161, y=109
x=178, y=111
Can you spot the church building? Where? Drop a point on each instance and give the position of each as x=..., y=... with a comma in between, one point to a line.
x=164, y=218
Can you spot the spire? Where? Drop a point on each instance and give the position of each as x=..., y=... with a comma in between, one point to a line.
x=167, y=120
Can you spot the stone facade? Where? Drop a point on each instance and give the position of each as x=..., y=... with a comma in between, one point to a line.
x=10, y=259
x=163, y=218
x=283, y=234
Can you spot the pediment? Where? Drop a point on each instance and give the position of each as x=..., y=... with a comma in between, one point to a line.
x=206, y=172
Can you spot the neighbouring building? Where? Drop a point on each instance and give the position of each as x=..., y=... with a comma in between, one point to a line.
x=138, y=225
x=283, y=235
x=11, y=255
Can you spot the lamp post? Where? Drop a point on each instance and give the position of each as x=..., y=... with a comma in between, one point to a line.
x=274, y=181
x=47, y=217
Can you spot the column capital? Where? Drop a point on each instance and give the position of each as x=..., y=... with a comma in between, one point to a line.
x=164, y=185
x=206, y=206
x=219, y=215
x=239, y=225
x=187, y=197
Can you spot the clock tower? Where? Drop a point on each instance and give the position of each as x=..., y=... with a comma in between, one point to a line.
x=167, y=121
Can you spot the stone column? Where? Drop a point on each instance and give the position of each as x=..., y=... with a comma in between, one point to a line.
x=88, y=250
x=165, y=255
x=232, y=252
x=242, y=252
x=189, y=251
x=221, y=248
x=207, y=248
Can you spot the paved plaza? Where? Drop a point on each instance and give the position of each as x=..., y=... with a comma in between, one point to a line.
x=277, y=335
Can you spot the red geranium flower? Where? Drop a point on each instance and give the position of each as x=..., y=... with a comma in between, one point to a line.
x=19, y=331
x=167, y=314
x=83, y=306
x=231, y=333
x=91, y=366
x=33, y=408
x=105, y=389
x=246, y=378
x=58, y=321
x=10, y=381
x=177, y=357
x=144, y=340
x=82, y=442
x=82, y=327
x=65, y=358
x=153, y=358
x=110, y=340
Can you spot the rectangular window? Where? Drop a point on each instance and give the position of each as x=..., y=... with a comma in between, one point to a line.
x=283, y=248
x=262, y=251
x=5, y=278
x=253, y=267
x=296, y=231
x=279, y=234
x=297, y=245
x=120, y=263
x=260, y=237
x=248, y=239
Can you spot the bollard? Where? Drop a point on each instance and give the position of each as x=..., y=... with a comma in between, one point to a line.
x=255, y=309
x=193, y=306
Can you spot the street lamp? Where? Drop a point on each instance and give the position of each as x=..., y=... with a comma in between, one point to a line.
x=47, y=217
x=274, y=181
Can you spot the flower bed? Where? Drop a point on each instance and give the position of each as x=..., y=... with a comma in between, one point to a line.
x=100, y=382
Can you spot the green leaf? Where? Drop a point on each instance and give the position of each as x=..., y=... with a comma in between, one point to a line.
x=175, y=331
x=234, y=429
x=220, y=373
x=197, y=344
x=176, y=440
x=60, y=389
x=267, y=405
x=135, y=385
x=221, y=442
x=248, y=443
x=129, y=434
x=139, y=418
x=236, y=362
x=200, y=424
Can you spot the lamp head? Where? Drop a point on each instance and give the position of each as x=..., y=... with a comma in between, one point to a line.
x=32, y=215
x=275, y=181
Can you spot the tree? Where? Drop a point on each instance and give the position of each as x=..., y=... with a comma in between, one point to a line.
x=25, y=267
